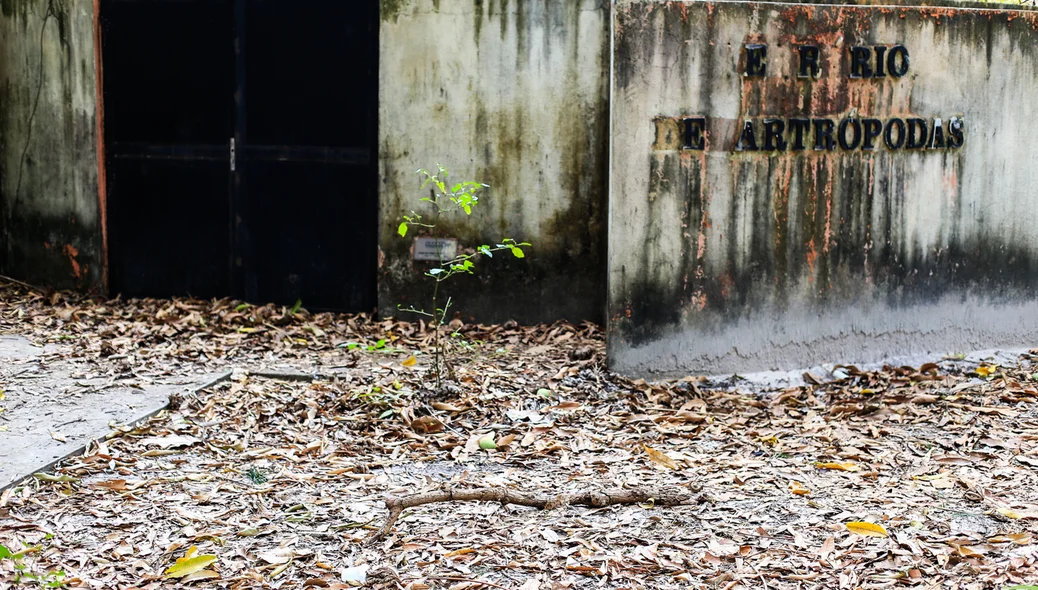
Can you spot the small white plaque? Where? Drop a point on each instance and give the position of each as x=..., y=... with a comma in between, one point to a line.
x=435, y=249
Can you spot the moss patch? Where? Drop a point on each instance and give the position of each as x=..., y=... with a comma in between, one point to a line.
x=390, y=9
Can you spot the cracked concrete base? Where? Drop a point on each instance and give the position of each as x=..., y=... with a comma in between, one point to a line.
x=52, y=410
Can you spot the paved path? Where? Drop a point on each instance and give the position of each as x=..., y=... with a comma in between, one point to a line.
x=53, y=407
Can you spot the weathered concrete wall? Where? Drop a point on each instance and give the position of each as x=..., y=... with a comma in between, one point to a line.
x=49, y=207
x=724, y=260
x=513, y=93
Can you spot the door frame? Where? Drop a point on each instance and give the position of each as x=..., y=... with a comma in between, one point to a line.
x=102, y=156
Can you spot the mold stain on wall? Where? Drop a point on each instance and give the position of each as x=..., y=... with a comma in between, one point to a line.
x=521, y=103
x=49, y=206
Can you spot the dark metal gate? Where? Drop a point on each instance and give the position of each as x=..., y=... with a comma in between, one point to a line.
x=240, y=139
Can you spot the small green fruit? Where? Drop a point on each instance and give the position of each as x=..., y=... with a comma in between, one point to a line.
x=544, y=392
x=487, y=442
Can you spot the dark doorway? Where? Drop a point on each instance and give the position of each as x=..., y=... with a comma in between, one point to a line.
x=240, y=139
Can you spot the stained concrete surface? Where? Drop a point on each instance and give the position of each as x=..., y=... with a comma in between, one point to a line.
x=53, y=409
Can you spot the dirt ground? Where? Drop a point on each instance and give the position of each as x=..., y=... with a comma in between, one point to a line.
x=906, y=476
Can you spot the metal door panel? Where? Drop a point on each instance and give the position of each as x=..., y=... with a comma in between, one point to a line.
x=240, y=137
x=310, y=120
x=172, y=237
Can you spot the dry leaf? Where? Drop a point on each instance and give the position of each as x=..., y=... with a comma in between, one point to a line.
x=427, y=425
x=837, y=466
x=112, y=484
x=201, y=575
x=723, y=547
x=278, y=556
x=160, y=453
x=798, y=489
x=1016, y=514
x=660, y=458
x=828, y=546
x=952, y=460
x=171, y=441
x=410, y=362
x=1016, y=538
x=866, y=529
x=964, y=551
x=989, y=410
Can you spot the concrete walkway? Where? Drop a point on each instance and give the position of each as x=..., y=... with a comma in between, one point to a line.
x=52, y=408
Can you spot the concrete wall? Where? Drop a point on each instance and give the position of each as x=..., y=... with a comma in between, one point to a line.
x=723, y=260
x=50, y=219
x=513, y=93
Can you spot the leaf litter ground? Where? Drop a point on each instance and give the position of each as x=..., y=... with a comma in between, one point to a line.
x=905, y=476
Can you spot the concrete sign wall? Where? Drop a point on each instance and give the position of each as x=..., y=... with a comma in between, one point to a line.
x=796, y=183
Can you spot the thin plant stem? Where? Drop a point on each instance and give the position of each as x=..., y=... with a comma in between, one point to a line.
x=436, y=291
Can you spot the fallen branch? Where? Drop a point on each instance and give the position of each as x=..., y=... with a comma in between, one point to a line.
x=469, y=580
x=659, y=497
x=8, y=279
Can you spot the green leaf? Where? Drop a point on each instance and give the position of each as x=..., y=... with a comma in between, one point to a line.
x=518, y=252
x=242, y=307
x=55, y=478
x=402, y=230
x=4, y=552
x=296, y=307
x=435, y=271
x=57, y=579
x=186, y=566
x=1021, y=587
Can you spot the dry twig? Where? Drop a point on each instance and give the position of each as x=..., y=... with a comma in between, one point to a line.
x=12, y=281
x=659, y=497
